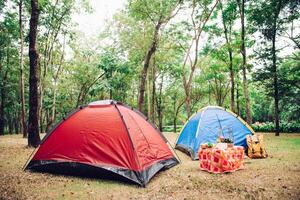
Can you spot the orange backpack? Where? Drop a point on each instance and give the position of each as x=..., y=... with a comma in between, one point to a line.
x=256, y=148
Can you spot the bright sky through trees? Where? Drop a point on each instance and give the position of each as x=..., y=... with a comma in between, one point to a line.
x=92, y=23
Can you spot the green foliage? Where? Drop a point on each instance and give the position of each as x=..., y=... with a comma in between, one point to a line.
x=289, y=89
x=76, y=70
x=154, y=10
x=285, y=127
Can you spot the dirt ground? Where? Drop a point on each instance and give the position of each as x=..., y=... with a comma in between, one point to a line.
x=277, y=177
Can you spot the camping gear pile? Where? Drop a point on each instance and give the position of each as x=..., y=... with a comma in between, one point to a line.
x=216, y=160
x=256, y=147
x=212, y=125
x=221, y=157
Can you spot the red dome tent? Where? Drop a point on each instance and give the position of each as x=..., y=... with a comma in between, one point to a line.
x=104, y=139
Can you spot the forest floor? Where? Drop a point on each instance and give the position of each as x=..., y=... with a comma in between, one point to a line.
x=277, y=177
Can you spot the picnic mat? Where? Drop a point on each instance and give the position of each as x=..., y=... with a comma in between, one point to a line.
x=217, y=161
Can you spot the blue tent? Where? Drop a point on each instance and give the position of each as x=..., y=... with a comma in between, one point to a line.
x=207, y=125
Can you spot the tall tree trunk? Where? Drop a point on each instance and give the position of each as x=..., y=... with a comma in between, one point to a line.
x=53, y=113
x=232, y=90
x=41, y=100
x=2, y=103
x=227, y=34
x=148, y=97
x=275, y=77
x=110, y=88
x=209, y=88
x=188, y=102
x=10, y=126
x=244, y=66
x=3, y=95
x=237, y=99
x=147, y=59
x=23, y=113
x=153, y=93
x=276, y=98
x=174, y=117
x=176, y=109
x=16, y=123
x=2, y=122
x=33, y=122
x=159, y=105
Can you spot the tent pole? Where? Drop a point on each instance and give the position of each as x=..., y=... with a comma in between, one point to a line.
x=174, y=151
x=29, y=158
x=220, y=125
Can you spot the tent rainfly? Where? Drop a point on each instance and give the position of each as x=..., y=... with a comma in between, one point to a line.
x=206, y=126
x=104, y=139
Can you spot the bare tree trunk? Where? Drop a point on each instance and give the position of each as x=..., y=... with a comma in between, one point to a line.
x=174, y=117
x=275, y=78
x=33, y=124
x=244, y=67
x=1, y=115
x=10, y=126
x=188, y=102
x=16, y=123
x=148, y=97
x=237, y=99
x=3, y=95
x=232, y=90
x=53, y=114
x=110, y=88
x=227, y=34
x=147, y=59
x=159, y=102
x=176, y=109
x=41, y=104
x=23, y=113
x=2, y=103
x=153, y=92
x=209, y=86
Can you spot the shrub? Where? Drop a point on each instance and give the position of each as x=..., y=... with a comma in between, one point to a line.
x=287, y=127
x=171, y=128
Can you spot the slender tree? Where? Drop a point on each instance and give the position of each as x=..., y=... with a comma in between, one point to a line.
x=58, y=14
x=33, y=122
x=55, y=86
x=153, y=91
x=23, y=113
x=3, y=97
x=277, y=8
x=158, y=13
x=241, y=5
x=198, y=23
x=238, y=111
x=228, y=17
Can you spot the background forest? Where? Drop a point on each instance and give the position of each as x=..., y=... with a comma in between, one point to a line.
x=167, y=58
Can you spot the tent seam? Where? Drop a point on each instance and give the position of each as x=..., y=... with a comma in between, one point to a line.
x=129, y=136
